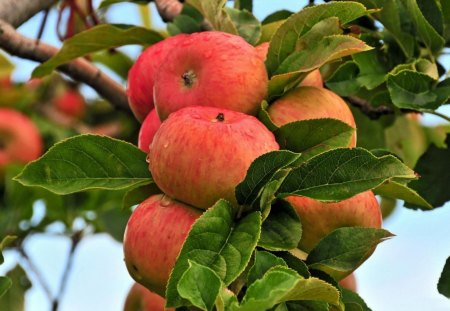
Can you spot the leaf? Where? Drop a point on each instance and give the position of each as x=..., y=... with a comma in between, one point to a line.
x=444, y=280
x=343, y=80
x=372, y=70
x=6, y=67
x=400, y=191
x=342, y=173
x=345, y=249
x=307, y=305
x=101, y=37
x=200, y=286
x=215, y=13
x=139, y=194
x=5, y=284
x=295, y=263
x=244, y=5
x=190, y=20
x=277, y=16
x=218, y=242
x=261, y=171
x=106, y=3
x=118, y=62
x=434, y=171
x=312, y=137
x=263, y=262
x=284, y=41
x=351, y=299
x=247, y=25
x=3, y=244
x=282, y=229
x=14, y=298
x=87, y=162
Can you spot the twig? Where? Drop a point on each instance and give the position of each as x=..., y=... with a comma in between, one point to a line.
x=80, y=69
x=373, y=113
x=443, y=116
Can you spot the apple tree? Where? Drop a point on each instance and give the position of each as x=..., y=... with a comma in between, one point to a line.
x=237, y=159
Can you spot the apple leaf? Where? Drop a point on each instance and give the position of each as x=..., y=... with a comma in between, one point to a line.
x=282, y=229
x=295, y=263
x=215, y=13
x=345, y=249
x=95, y=39
x=4, y=243
x=312, y=137
x=244, y=5
x=247, y=25
x=106, y=3
x=87, y=162
x=396, y=190
x=219, y=242
x=139, y=194
x=200, y=286
x=260, y=172
x=342, y=173
x=353, y=301
x=14, y=298
x=444, y=280
x=343, y=80
x=263, y=262
x=304, y=305
x=5, y=284
x=372, y=70
x=117, y=61
x=188, y=21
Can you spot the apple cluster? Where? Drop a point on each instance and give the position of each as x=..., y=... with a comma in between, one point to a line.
x=197, y=97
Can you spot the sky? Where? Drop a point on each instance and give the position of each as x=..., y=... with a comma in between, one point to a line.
x=401, y=275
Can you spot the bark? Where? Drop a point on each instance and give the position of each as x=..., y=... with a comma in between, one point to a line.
x=17, y=12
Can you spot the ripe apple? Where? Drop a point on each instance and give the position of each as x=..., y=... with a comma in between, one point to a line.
x=148, y=130
x=153, y=238
x=142, y=74
x=200, y=154
x=71, y=103
x=140, y=298
x=349, y=282
x=319, y=219
x=213, y=69
x=309, y=102
x=314, y=78
x=20, y=140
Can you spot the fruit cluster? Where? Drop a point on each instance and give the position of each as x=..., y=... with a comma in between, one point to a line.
x=198, y=97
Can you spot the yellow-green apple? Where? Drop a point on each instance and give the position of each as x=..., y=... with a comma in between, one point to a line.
x=140, y=298
x=319, y=219
x=349, y=282
x=153, y=239
x=314, y=78
x=71, y=103
x=148, y=130
x=214, y=69
x=141, y=76
x=200, y=154
x=20, y=140
x=309, y=102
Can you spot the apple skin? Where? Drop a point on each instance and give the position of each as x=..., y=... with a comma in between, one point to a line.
x=141, y=76
x=349, y=282
x=314, y=78
x=309, y=102
x=153, y=239
x=213, y=69
x=200, y=154
x=319, y=219
x=20, y=140
x=140, y=298
x=71, y=103
x=148, y=130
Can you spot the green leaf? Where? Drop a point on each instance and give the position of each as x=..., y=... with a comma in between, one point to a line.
x=434, y=171
x=101, y=37
x=371, y=67
x=260, y=172
x=139, y=194
x=284, y=41
x=219, y=242
x=216, y=14
x=244, y=5
x=6, y=67
x=396, y=190
x=88, y=162
x=247, y=25
x=118, y=62
x=277, y=16
x=342, y=173
x=343, y=80
x=444, y=280
x=307, y=305
x=14, y=298
x=445, y=6
x=312, y=137
x=345, y=249
x=353, y=301
x=106, y=3
x=5, y=284
x=189, y=21
x=263, y=262
x=295, y=263
x=282, y=229
x=200, y=286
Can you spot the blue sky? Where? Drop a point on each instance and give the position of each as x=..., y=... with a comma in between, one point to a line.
x=401, y=275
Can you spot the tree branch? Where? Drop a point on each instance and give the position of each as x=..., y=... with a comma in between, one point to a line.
x=80, y=69
x=16, y=12
x=374, y=113
x=168, y=9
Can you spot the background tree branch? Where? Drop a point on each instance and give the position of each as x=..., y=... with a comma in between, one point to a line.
x=16, y=12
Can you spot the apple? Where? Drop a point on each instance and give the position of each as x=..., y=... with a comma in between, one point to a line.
x=142, y=74
x=349, y=282
x=319, y=219
x=20, y=140
x=213, y=69
x=309, y=102
x=200, y=154
x=314, y=78
x=71, y=103
x=148, y=130
x=153, y=239
x=140, y=298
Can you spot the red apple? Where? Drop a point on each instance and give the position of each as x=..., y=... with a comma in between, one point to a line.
x=349, y=282
x=200, y=154
x=148, y=130
x=140, y=298
x=308, y=102
x=20, y=140
x=153, y=238
x=213, y=69
x=71, y=103
x=319, y=219
x=314, y=78
x=142, y=74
